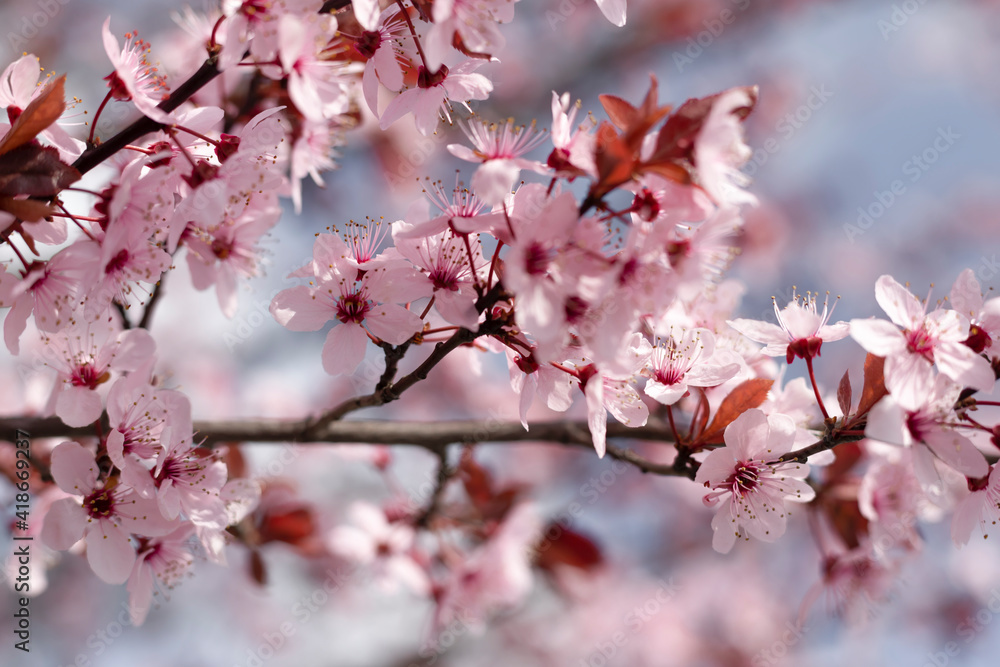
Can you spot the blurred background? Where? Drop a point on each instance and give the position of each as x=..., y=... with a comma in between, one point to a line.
x=876, y=140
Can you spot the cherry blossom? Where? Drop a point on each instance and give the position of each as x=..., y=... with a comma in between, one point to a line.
x=359, y=306
x=683, y=360
x=473, y=22
x=499, y=148
x=161, y=562
x=980, y=506
x=926, y=340
x=104, y=517
x=800, y=332
x=18, y=87
x=84, y=357
x=757, y=484
x=134, y=79
x=984, y=316
x=370, y=540
x=928, y=427
x=431, y=97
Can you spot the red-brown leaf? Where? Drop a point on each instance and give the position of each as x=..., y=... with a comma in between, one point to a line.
x=621, y=113
x=874, y=388
x=844, y=394
x=613, y=158
x=562, y=546
x=36, y=171
x=476, y=480
x=744, y=397
x=293, y=526
x=38, y=115
x=29, y=210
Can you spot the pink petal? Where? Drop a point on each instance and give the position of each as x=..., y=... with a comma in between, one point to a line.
x=140, y=590
x=299, y=309
x=393, y=323
x=344, y=349
x=898, y=303
x=597, y=416
x=78, y=406
x=761, y=332
x=64, y=524
x=74, y=469
x=109, y=552
x=878, y=336
x=137, y=346
x=964, y=366
x=966, y=296
x=958, y=452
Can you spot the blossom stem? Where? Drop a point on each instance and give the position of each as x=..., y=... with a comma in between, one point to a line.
x=673, y=426
x=493, y=264
x=93, y=124
x=76, y=220
x=201, y=136
x=413, y=32
x=812, y=378
x=428, y=308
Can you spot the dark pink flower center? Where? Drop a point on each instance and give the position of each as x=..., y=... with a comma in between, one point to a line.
x=805, y=348
x=978, y=339
x=919, y=342
x=118, y=89
x=536, y=259
x=99, y=504
x=87, y=376
x=745, y=478
x=369, y=43
x=117, y=262
x=668, y=375
x=353, y=308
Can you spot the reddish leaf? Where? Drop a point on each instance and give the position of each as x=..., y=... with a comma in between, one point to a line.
x=744, y=397
x=29, y=210
x=475, y=479
x=562, y=546
x=258, y=571
x=874, y=388
x=38, y=115
x=846, y=519
x=613, y=158
x=672, y=171
x=676, y=138
x=293, y=526
x=36, y=171
x=844, y=394
x=621, y=113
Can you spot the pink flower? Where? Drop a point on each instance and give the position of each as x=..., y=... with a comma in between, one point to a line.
x=573, y=147
x=360, y=306
x=529, y=379
x=84, y=357
x=473, y=21
x=382, y=46
x=927, y=340
x=186, y=482
x=613, y=392
x=314, y=83
x=431, y=96
x=162, y=562
x=984, y=318
x=443, y=260
x=757, y=485
x=369, y=539
x=720, y=150
x=100, y=518
x=928, y=427
x=499, y=148
x=891, y=498
x=127, y=257
x=49, y=289
x=311, y=154
x=685, y=360
x=495, y=577
x=229, y=251
x=800, y=332
x=981, y=505
x=134, y=78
